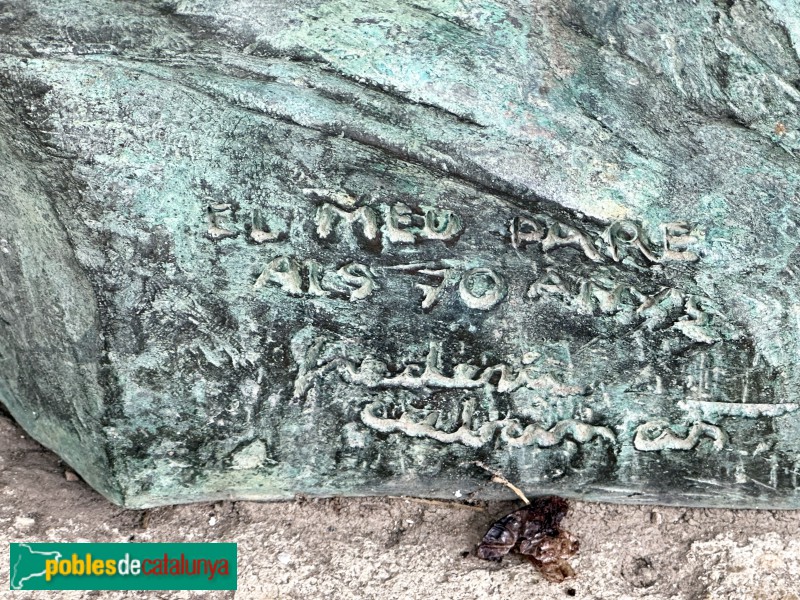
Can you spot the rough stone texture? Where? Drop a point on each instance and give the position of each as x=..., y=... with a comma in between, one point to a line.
x=256, y=248
x=388, y=548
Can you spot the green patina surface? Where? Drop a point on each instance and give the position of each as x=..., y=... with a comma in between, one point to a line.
x=251, y=249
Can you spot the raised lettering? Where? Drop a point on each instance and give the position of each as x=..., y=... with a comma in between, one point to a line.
x=285, y=271
x=328, y=215
x=481, y=288
x=359, y=277
x=676, y=238
x=441, y=224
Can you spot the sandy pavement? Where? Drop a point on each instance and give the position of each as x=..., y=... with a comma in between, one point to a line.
x=381, y=548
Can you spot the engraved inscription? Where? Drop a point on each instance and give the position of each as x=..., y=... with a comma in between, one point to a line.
x=284, y=271
x=677, y=240
x=372, y=373
x=688, y=314
x=219, y=217
x=482, y=288
x=260, y=232
x=440, y=225
x=618, y=240
x=512, y=433
x=404, y=226
x=359, y=278
x=617, y=291
x=401, y=225
x=626, y=233
x=431, y=293
x=215, y=214
x=352, y=279
x=657, y=435
x=328, y=215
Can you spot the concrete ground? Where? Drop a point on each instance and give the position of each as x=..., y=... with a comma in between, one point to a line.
x=381, y=548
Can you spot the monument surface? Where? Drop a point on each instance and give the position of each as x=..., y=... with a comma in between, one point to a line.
x=256, y=248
